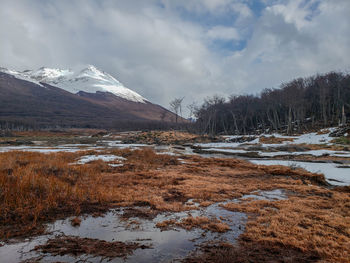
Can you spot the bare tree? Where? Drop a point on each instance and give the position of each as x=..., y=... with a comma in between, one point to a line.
x=299, y=105
x=192, y=108
x=343, y=119
x=176, y=106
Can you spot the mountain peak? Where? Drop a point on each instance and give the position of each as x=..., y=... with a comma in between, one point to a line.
x=91, y=68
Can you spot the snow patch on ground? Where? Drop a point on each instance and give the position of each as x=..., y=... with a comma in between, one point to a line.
x=118, y=144
x=43, y=149
x=106, y=158
x=316, y=153
x=313, y=153
x=168, y=153
x=265, y=150
x=116, y=164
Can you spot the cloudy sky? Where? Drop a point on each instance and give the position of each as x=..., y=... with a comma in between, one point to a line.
x=173, y=48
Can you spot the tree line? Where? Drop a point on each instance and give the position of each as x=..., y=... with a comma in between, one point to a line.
x=299, y=105
x=27, y=125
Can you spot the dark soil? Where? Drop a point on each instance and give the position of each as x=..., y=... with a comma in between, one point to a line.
x=143, y=213
x=248, y=252
x=75, y=246
x=19, y=230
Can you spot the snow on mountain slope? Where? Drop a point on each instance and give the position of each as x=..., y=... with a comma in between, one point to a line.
x=88, y=79
x=19, y=75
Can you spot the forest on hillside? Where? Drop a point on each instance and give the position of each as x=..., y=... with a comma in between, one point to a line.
x=299, y=105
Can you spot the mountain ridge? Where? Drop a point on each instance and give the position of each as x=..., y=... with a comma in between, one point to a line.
x=87, y=79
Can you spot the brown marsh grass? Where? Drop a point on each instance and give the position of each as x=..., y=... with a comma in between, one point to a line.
x=318, y=223
x=36, y=186
x=274, y=140
x=203, y=222
x=315, y=220
x=166, y=137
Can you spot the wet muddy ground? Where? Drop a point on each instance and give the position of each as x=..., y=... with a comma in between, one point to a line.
x=150, y=243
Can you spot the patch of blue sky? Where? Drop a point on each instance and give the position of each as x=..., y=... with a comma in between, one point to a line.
x=223, y=17
x=226, y=47
x=207, y=18
x=313, y=7
x=257, y=7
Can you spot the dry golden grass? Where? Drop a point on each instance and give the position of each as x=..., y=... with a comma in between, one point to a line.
x=143, y=160
x=75, y=221
x=331, y=147
x=36, y=186
x=274, y=140
x=324, y=131
x=203, y=222
x=206, y=203
x=219, y=252
x=319, y=223
x=39, y=187
x=165, y=137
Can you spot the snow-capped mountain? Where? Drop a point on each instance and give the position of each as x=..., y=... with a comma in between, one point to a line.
x=86, y=98
x=88, y=79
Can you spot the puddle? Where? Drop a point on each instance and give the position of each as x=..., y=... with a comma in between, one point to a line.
x=334, y=174
x=51, y=149
x=271, y=152
x=167, y=246
x=120, y=145
x=173, y=150
x=116, y=164
x=272, y=195
x=40, y=147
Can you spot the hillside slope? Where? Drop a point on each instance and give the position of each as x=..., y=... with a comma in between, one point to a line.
x=40, y=104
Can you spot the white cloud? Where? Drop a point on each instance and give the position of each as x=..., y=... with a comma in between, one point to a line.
x=295, y=12
x=284, y=45
x=242, y=9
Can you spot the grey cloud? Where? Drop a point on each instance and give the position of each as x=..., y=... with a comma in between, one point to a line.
x=150, y=48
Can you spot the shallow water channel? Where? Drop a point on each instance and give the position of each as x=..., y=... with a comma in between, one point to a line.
x=334, y=173
x=167, y=245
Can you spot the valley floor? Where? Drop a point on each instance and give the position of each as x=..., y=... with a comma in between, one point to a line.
x=171, y=196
